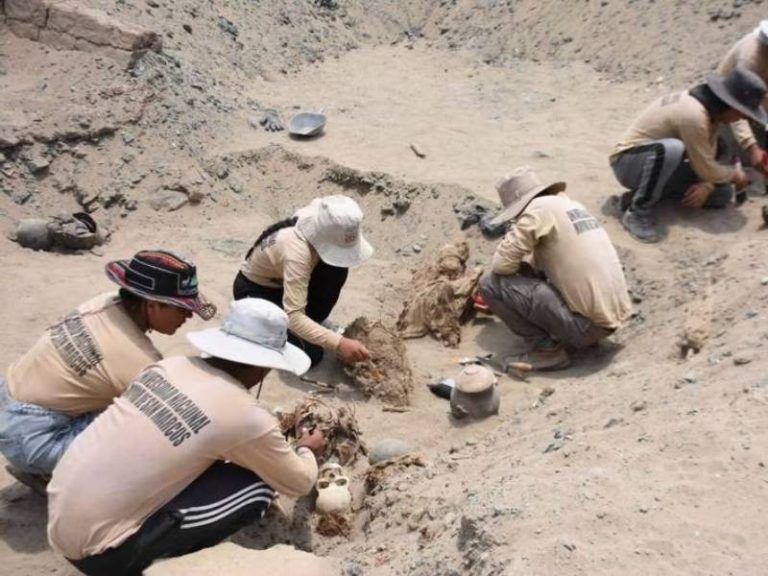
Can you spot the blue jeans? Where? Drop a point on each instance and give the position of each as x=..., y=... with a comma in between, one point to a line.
x=33, y=438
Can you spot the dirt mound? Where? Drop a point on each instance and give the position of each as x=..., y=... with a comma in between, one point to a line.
x=387, y=373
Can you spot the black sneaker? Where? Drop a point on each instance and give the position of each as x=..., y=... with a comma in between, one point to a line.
x=640, y=225
x=38, y=483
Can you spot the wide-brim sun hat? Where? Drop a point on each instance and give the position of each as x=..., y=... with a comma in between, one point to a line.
x=332, y=225
x=254, y=332
x=761, y=32
x=517, y=189
x=742, y=90
x=163, y=277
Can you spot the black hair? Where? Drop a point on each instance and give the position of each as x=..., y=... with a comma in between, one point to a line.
x=271, y=229
x=130, y=300
x=711, y=101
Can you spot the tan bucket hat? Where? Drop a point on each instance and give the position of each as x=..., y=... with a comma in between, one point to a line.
x=742, y=90
x=517, y=189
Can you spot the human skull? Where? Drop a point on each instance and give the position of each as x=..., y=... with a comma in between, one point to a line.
x=333, y=494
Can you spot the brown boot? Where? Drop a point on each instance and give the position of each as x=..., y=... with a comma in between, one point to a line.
x=548, y=359
x=544, y=358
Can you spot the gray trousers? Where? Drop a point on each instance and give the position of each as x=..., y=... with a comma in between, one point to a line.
x=533, y=309
x=661, y=170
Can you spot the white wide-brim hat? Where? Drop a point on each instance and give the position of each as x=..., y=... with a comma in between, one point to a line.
x=254, y=332
x=761, y=31
x=332, y=226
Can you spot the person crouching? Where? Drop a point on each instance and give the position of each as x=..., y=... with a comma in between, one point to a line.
x=556, y=280
x=186, y=456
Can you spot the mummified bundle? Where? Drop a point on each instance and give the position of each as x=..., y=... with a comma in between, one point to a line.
x=440, y=296
x=339, y=426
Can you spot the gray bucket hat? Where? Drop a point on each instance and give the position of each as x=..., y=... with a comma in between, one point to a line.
x=742, y=90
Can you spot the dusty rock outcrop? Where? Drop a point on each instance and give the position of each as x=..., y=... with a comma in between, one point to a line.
x=66, y=25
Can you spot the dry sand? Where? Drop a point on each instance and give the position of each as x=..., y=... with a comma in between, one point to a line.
x=640, y=462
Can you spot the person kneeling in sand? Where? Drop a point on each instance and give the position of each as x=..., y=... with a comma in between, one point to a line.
x=186, y=456
x=576, y=294
x=81, y=363
x=670, y=150
x=301, y=264
x=747, y=138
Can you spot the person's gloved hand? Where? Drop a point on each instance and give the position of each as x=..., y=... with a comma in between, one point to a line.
x=271, y=121
x=696, y=196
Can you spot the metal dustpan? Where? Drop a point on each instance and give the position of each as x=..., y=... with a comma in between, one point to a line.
x=307, y=124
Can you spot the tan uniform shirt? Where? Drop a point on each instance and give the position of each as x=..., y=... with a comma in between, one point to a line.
x=176, y=419
x=680, y=115
x=285, y=259
x=81, y=363
x=751, y=54
x=574, y=251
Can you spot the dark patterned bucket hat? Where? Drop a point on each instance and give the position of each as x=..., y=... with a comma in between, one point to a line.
x=164, y=277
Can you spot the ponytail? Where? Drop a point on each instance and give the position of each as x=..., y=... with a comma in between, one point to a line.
x=287, y=223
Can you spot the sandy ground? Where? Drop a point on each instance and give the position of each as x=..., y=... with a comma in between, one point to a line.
x=656, y=464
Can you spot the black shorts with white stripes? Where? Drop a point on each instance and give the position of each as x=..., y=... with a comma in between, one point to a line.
x=217, y=504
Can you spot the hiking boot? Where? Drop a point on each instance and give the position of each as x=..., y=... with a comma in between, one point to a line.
x=38, y=483
x=547, y=355
x=625, y=200
x=548, y=359
x=640, y=225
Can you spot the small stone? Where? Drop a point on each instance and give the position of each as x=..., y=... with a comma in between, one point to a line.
x=750, y=314
x=638, y=405
x=37, y=164
x=127, y=137
x=2, y=158
x=613, y=422
x=643, y=509
x=387, y=449
x=222, y=171
x=235, y=186
x=169, y=200
x=416, y=248
x=187, y=28
x=741, y=360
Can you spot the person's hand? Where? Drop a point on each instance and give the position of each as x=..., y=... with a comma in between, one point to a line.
x=352, y=351
x=758, y=158
x=311, y=438
x=271, y=121
x=696, y=195
x=740, y=179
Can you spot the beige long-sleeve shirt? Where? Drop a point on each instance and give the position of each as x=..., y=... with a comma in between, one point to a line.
x=568, y=244
x=679, y=115
x=751, y=54
x=82, y=362
x=177, y=418
x=286, y=260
